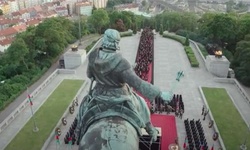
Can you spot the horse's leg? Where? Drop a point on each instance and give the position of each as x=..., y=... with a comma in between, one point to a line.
x=112, y=133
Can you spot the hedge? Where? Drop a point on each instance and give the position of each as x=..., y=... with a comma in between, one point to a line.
x=174, y=37
x=191, y=56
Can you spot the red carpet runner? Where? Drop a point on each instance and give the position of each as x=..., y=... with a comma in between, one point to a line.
x=168, y=129
x=165, y=122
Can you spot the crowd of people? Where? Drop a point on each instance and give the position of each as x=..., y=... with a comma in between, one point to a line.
x=143, y=61
x=195, y=135
x=144, y=54
x=70, y=137
x=176, y=106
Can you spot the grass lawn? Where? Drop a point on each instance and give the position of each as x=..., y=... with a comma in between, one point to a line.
x=46, y=117
x=232, y=127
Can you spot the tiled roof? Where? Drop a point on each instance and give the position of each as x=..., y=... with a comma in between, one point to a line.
x=33, y=22
x=7, y=32
x=4, y=21
x=5, y=42
x=20, y=28
x=16, y=13
x=61, y=8
x=38, y=8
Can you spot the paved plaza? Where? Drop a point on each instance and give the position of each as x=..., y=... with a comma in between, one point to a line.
x=169, y=58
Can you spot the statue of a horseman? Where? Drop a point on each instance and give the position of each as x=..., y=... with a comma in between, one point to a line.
x=112, y=114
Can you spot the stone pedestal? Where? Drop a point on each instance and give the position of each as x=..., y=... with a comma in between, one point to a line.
x=217, y=66
x=73, y=59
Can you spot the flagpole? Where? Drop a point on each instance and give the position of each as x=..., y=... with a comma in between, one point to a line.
x=35, y=128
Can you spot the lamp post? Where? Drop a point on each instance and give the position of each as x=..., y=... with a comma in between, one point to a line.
x=244, y=146
x=79, y=22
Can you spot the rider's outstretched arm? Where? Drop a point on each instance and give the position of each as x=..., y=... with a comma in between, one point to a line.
x=146, y=89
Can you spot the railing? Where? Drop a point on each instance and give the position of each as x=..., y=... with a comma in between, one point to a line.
x=226, y=80
x=237, y=84
x=24, y=104
x=199, y=51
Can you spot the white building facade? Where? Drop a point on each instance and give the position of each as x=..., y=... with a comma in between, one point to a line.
x=99, y=3
x=84, y=8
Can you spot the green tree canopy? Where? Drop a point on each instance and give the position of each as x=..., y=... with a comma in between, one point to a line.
x=221, y=28
x=241, y=61
x=99, y=19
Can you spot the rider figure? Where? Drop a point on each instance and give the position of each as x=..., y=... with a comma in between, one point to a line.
x=114, y=77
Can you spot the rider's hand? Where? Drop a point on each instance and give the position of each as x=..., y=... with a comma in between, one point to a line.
x=166, y=96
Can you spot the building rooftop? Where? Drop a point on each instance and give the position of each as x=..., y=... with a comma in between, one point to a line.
x=5, y=42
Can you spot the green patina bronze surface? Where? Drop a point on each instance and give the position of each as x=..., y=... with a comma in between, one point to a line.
x=112, y=107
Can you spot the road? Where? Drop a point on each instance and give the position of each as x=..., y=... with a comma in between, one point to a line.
x=9, y=109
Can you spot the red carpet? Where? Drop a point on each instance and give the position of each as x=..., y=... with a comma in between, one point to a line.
x=165, y=122
x=168, y=129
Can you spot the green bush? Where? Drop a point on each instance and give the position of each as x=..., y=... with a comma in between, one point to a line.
x=187, y=43
x=174, y=37
x=188, y=50
x=194, y=64
x=228, y=54
x=193, y=36
x=191, y=57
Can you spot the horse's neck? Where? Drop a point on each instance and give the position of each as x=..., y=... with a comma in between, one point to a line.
x=110, y=133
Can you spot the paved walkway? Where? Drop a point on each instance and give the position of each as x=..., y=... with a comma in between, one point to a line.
x=170, y=57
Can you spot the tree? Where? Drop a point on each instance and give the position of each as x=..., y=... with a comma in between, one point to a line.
x=99, y=19
x=220, y=29
x=161, y=29
x=94, y=8
x=1, y=12
x=17, y=52
x=111, y=4
x=229, y=5
x=241, y=61
x=187, y=41
x=243, y=26
x=53, y=35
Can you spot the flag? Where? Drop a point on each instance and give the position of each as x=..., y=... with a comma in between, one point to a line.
x=30, y=101
x=212, y=148
x=184, y=144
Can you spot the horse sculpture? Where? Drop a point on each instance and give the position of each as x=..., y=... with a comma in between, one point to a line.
x=111, y=133
x=112, y=114
x=104, y=128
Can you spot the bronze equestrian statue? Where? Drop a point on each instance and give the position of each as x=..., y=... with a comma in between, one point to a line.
x=112, y=114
